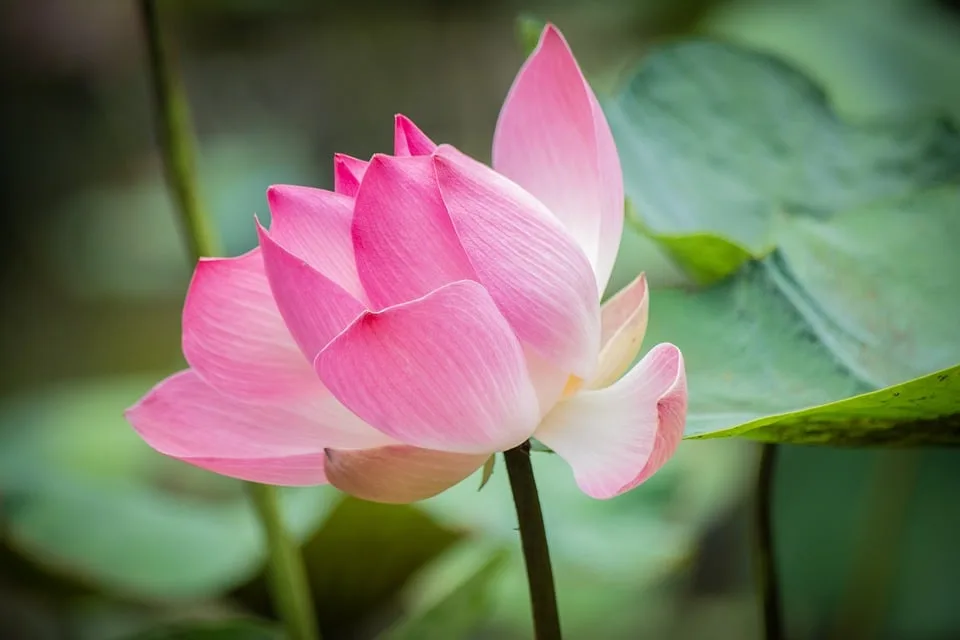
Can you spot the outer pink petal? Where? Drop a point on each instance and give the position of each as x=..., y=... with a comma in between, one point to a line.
x=537, y=275
x=404, y=241
x=186, y=418
x=554, y=141
x=314, y=225
x=408, y=140
x=314, y=307
x=347, y=173
x=442, y=372
x=615, y=438
x=623, y=325
x=235, y=338
x=399, y=474
x=613, y=203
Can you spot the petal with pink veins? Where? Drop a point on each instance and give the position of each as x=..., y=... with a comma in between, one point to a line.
x=535, y=272
x=315, y=226
x=347, y=173
x=398, y=474
x=617, y=437
x=623, y=320
x=403, y=238
x=235, y=338
x=409, y=140
x=442, y=372
x=314, y=307
x=554, y=141
x=185, y=418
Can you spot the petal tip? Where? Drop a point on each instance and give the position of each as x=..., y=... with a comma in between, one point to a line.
x=551, y=36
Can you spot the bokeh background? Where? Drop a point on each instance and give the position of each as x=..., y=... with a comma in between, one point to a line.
x=100, y=538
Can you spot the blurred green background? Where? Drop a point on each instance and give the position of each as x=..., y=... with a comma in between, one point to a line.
x=100, y=538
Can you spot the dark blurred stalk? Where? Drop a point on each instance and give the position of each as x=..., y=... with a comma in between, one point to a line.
x=533, y=539
x=765, y=560
x=290, y=590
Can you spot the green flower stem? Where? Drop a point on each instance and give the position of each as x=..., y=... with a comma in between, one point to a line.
x=287, y=576
x=289, y=587
x=533, y=539
x=176, y=138
x=768, y=585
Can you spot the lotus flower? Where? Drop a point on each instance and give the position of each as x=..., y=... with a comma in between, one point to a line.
x=388, y=337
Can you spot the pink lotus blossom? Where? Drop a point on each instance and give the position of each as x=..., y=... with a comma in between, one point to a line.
x=389, y=336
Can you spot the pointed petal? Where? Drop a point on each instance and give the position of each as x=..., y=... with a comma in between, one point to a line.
x=347, y=173
x=235, y=338
x=554, y=141
x=314, y=307
x=537, y=275
x=615, y=438
x=408, y=140
x=623, y=324
x=404, y=241
x=314, y=225
x=186, y=418
x=442, y=372
x=398, y=474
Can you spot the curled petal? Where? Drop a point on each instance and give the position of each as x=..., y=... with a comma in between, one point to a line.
x=617, y=437
x=408, y=140
x=398, y=474
x=623, y=320
x=347, y=173
x=186, y=418
x=534, y=271
x=442, y=372
x=554, y=141
x=315, y=226
x=235, y=338
x=403, y=238
x=314, y=307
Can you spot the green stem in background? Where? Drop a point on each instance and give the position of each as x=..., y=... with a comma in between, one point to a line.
x=768, y=585
x=287, y=576
x=876, y=557
x=289, y=587
x=176, y=137
x=533, y=539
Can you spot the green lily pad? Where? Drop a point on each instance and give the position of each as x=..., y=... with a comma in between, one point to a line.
x=86, y=498
x=358, y=562
x=823, y=342
x=452, y=600
x=721, y=141
x=219, y=630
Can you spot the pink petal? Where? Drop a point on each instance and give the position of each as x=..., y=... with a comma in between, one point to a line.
x=408, y=140
x=617, y=437
x=554, y=141
x=442, y=372
x=347, y=173
x=235, y=338
x=623, y=321
x=536, y=273
x=398, y=474
x=404, y=241
x=314, y=225
x=314, y=307
x=548, y=380
x=186, y=418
